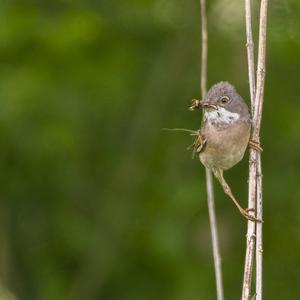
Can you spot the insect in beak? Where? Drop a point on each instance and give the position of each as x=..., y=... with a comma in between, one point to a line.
x=196, y=104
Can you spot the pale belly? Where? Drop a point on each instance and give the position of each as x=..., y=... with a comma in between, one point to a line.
x=224, y=147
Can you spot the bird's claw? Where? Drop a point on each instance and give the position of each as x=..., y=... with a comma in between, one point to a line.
x=245, y=213
x=255, y=145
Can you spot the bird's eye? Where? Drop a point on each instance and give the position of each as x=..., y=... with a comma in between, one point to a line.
x=224, y=99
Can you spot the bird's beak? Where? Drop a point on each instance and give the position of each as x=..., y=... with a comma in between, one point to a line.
x=207, y=104
x=197, y=104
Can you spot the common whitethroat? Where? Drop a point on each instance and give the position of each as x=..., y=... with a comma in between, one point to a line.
x=224, y=134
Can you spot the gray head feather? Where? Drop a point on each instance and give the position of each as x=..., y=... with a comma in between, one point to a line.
x=223, y=94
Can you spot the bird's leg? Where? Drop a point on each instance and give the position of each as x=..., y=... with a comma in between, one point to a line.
x=255, y=145
x=245, y=212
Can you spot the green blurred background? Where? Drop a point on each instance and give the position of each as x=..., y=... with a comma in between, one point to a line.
x=96, y=201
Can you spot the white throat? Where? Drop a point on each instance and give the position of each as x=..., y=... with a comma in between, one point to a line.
x=221, y=115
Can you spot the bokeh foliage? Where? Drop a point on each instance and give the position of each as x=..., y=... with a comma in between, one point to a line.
x=96, y=201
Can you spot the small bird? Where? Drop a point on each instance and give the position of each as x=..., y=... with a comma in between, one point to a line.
x=224, y=134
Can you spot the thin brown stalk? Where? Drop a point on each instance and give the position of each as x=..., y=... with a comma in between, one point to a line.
x=255, y=173
x=209, y=180
x=259, y=99
x=204, y=44
x=259, y=240
x=251, y=228
x=250, y=53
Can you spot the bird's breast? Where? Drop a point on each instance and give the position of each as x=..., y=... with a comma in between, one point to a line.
x=225, y=143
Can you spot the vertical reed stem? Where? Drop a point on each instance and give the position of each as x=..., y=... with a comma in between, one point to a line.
x=209, y=182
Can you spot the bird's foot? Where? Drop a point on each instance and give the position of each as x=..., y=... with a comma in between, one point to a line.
x=255, y=145
x=248, y=216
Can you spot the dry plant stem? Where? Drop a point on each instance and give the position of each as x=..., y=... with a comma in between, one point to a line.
x=259, y=98
x=203, y=48
x=255, y=174
x=209, y=182
x=250, y=53
x=214, y=235
x=259, y=234
x=251, y=236
x=251, y=226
